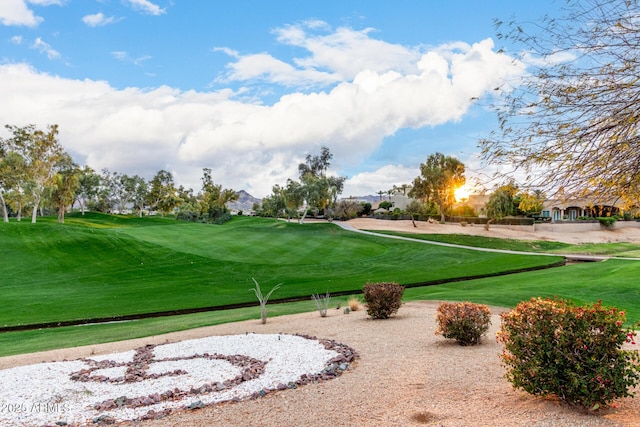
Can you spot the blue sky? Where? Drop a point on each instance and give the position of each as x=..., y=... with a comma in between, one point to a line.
x=249, y=88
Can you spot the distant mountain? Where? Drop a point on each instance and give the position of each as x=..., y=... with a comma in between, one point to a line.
x=245, y=201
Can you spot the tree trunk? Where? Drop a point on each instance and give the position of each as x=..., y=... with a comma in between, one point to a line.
x=304, y=215
x=4, y=208
x=34, y=214
x=61, y=215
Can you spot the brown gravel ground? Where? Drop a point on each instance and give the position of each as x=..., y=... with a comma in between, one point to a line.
x=621, y=234
x=406, y=376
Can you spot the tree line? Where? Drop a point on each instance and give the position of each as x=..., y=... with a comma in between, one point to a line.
x=38, y=175
x=314, y=191
x=572, y=128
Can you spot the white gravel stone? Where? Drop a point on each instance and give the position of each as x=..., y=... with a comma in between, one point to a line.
x=44, y=393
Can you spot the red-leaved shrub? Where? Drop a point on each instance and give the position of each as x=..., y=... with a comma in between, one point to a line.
x=552, y=347
x=464, y=322
x=382, y=299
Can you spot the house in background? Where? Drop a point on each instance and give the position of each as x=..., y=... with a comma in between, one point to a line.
x=400, y=201
x=570, y=210
x=556, y=209
x=478, y=202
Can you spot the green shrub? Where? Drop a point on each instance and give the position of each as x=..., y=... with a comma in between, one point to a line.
x=607, y=221
x=573, y=352
x=464, y=322
x=382, y=299
x=223, y=218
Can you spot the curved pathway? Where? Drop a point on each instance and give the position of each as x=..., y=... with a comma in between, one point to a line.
x=568, y=257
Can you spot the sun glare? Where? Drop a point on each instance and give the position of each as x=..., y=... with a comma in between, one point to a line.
x=461, y=193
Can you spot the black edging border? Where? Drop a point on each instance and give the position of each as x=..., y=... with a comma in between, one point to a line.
x=128, y=317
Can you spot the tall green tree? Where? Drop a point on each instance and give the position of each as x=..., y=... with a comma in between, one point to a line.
x=572, y=127
x=316, y=165
x=88, y=187
x=531, y=203
x=41, y=152
x=275, y=203
x=213, y=198
x=65, y=185
x=317, y=190
x=139, y=194
x=12, y=169
x=403, y=188
x=293, y=198
x=122, y=190
x=502, y=202
x=3, y=155
x=440, y=176
x=163, y=194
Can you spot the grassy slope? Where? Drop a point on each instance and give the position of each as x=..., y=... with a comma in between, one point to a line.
x=615, y=282
x=620, y=249
x=97, y=265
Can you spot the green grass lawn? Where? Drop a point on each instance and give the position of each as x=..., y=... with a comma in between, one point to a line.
x=99, y=265
x=12, y=343
x=619, y=249
x=102, y=266
x=615, y=282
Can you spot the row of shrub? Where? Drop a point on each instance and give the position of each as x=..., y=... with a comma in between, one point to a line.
x=551, y=346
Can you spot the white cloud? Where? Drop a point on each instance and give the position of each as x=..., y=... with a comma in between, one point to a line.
x=47, y=2
x=347, y=52
x=147, y=7
x=253, y=146
x=553, y=59
x=16, y=12
x=382, y=179
x=333, y=56
x=265, y=67
x=98, y=20
x=17, y=40
x=124, y=56
x=119, y=55
x=45, y=48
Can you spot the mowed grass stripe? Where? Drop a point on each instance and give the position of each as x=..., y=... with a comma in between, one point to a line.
x=110, y=266
x=614, y=282
x=265, y=241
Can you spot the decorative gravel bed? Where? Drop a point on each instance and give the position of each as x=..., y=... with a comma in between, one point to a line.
x=154, y=380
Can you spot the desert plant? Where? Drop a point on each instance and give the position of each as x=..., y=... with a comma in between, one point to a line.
x=322, y=303
x=382, y=299
x=552, y=347
x=263, y=299
x=354, y=304
x=464, y=322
